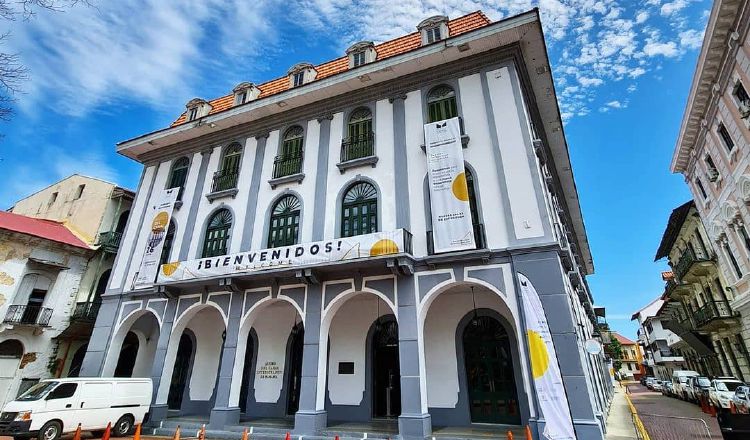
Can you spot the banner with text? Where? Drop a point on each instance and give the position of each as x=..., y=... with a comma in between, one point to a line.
x=320, y=252
x=452, y=228
x=550, y=391
x=159, y=216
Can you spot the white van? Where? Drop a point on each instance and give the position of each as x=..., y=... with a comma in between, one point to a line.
x=56, y=406
x=679, y=379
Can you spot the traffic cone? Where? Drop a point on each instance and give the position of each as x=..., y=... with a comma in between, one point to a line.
x=77, y=435
x=244, y=434
x=528, y=433
x=510, y=435
x=107, y=432
x=177, y=433
x=137, y=435
x=289, y=437
x=335, y=438
x=202, y=432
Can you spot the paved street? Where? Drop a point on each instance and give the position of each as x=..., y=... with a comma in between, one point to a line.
x=667, y=418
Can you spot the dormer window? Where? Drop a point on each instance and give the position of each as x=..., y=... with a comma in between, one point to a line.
x=301, y=73
x=197, y=108
x=433, y=29
x=361, y=53
x=245, y=92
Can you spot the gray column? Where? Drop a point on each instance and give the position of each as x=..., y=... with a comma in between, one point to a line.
x=96, y=351
x=545, y=273
x=158, y=412
x=223, y=415
x=309, y=420
x=189, y=228
x=400, y=165
x=252, y=203
x=413, y=424
x=321, y=179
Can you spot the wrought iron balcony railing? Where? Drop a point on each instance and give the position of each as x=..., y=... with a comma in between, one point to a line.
x=479, y=239
x=86, y=311
x=110, y=241
x=357, y=147
x=287, y=165
x=225, y=179
x=28, y=315
x=687, y=260
x=712, y=310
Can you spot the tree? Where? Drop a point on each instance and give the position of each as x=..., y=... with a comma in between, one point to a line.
x=614, y=351
x=12, y=72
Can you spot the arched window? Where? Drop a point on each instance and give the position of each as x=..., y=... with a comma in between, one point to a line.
x=360, y=140
x=217, y=234
x=441, y=104
x=101, y=286
x=178, y=175
x=226, y=177
x=289, y=160
x=166, y=250
x=475, y=219
x=284, y=227
x=359, y=210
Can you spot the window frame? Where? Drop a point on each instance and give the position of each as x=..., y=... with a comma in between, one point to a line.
x=352, y=210
x=193, y=114
x=79, y=191
x=280, y=235
x=166, y=250
x=359, y=58
x=701, y=188
x=298, y=78
x=434, y=34
x=725, y=136
x=178, y=166
x=208, y=249
x=441, y=107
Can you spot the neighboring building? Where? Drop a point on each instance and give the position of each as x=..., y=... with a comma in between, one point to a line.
x=712, y=153
x=334, y=154
x=97, y=212
x=632, y=358
x=42, y=264
x=697, y=303
x=660, y=360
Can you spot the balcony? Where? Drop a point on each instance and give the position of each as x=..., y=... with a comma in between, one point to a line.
x=110, y=241
x=287, y=168
x=692, y=265
x=479, y=239
x=666, y=355
x=224, y=184
x=357, y=151
x=86, y=311
x=675, y=290
x=713, y=315
x=34, y=316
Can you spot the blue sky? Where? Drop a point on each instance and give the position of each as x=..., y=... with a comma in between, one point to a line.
x=622, y=69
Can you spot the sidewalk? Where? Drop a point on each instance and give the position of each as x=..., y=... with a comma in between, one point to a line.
x=619, y=421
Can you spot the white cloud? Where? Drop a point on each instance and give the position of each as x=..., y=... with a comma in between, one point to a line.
x=673, y=7
x=586, y=82
x=656, y=48
x=691, y=39
x=641, y=17
x=615, y=104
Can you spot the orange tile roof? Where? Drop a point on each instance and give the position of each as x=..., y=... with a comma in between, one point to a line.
x=384, y=50
x=623, y=340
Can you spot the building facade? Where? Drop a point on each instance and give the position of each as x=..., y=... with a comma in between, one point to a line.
x=712, y=153
x=42, y=265
x=659, y=358
x=697, y=303
x=632, y=358
x=334, y=154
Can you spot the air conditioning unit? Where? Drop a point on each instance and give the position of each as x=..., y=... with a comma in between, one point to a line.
x=744, y=109
x=713, y=175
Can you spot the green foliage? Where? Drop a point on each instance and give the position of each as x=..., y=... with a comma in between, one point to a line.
x=614, y=351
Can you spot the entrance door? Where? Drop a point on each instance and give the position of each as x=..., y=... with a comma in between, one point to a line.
x=128, y=354
x=34, y=306
x=180, y=372
x=247, y=370
x=295, y=369
x=386, y=376
x=489, y=372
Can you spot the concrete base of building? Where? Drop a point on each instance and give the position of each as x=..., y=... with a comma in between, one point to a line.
x=221, y=417
x=417, y=426
x=157, y=413
x=309, y=423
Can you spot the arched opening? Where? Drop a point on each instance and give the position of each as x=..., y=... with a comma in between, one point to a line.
x=74, y=370
x=359, y=210
x=180, y=372
x=360, y=140
x=247, y=369
x=178, y=175
x=12, y=348
x=216, y=240
x=441, y=103
x=386, y=375
x=11, y=351
x=166, y=250
x=122, y=221
x=489, y=372
x=128, y=354
x=294, y=360
x=283, y=229
x=289, y=159
x=101, y=285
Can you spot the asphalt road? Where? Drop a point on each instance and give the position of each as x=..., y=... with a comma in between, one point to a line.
x=668, y=418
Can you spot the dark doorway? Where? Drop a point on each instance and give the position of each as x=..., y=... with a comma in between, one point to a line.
x=295, y=369
x=77, y=361
x=128, y=353
x=34, y=306
x=489, y=372
x=386, y=375
x=180, y=372
x=122, y=221
x=101, y=286
x=247, y=370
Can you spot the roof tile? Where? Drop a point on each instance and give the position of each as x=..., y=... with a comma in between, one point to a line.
x=47, y=229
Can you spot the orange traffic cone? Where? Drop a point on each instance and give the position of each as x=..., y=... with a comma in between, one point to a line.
x=137, y=435
x=244, y=434
x=77, y=435
x=510, y=435
x=528, y=433
x=107, y=432
x=335, y=438
x=202, y=432
x=289, y=437
x=177, y=433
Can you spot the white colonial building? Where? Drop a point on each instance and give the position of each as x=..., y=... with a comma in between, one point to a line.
x=390, y=329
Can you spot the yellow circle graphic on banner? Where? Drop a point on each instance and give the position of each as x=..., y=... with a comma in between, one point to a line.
x=169, y=268
x=160, y=222
x=539, y=355
x=383, y=247
x=460, y=189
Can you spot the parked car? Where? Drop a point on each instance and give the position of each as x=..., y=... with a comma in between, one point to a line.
x=696, y=387
x=650, y=382
x=741, y=399
x=679, y=379
x=656, y=385
x=667, y=388
x=53, y=407
x=721, y=391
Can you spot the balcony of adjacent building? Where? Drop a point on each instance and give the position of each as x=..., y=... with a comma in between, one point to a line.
x=27, y=315
x=676, y=289
x=664, y=355
x=693, y=264
x=357, y=150
x=82, y=321
x=224, y=183
x=714, y=315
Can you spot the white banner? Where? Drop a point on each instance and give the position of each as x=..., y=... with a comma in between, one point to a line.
x=159, y=217
x=314, y=253
x=548, y=383
x=452, y=228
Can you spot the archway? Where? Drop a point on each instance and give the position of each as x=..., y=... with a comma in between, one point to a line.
x=76, y=362
x=386, y=375
x=133, y=346
x=294, y=360
x=11, y=351
x=128, y=354
x=185, y=353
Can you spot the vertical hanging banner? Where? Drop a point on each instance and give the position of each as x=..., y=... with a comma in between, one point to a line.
x=452, y=228
x=553, y=402
x=158, y=222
